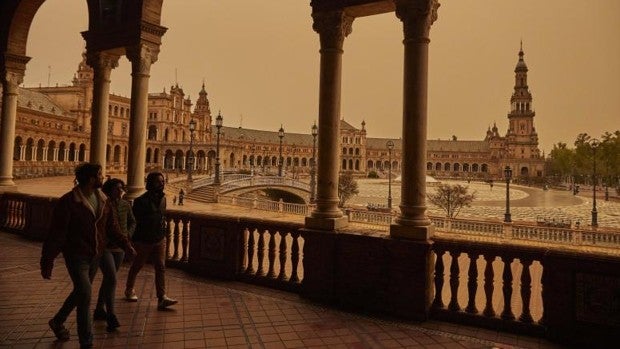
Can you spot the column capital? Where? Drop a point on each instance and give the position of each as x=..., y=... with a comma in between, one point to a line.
x=141, y=57
x=102, y=62
x=417, y=17
x=333, y=27
x=11, y=80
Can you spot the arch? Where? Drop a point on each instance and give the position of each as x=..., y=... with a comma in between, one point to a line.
x=386, y=164
x=17, y=149
x=274, y=161
x=484, y=168
x=108, y=151
x=152, y=133
x=344, y=151
x=525, y=171
x=379, y=165
x=61, y=151
x=357, y=151
x=350, y=151
x=350, y=164
x=456, y=167
x=50, y=150
x=148, y=155
x=72, y=148
x=116, y=158
x=232, y=160
x=304, y=162
x=370, y=164
x=357, y=165
x=394, y=165
x=344, y=165
x=82, y=152
x=438, y=166
x=429, y=166
x=465, y=167
x=474, y=167
x=446, y=166
x=168, y=163
x=116, y=110
x=178, y=159
x=29, y=146
x=40, y=146
x=166, y=135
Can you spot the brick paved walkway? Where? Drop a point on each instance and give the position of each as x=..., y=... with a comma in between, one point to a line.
x=211, y=314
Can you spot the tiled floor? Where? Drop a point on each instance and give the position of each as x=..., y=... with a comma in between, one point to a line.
x=210, y=314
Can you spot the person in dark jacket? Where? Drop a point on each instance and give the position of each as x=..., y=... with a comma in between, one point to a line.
x=113, y=255
x=150, y=238
x=83, y=220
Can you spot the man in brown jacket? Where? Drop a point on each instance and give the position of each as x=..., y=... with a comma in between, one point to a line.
x=82, y=222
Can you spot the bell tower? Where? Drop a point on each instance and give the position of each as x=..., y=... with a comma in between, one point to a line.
x=521, y=138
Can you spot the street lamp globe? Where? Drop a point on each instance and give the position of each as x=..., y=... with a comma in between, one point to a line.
x=390, y=146
x=192, y=125
x=315, y=130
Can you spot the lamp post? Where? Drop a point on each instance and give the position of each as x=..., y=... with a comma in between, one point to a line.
x=315, y=132
x=280, y=160
x=219, y=120
x=390, y=146
x=252, y=148
x=190, y=160
x=508, y=177
x=594, y=143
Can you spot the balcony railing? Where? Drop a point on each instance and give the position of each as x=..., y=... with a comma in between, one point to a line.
x=491, y=281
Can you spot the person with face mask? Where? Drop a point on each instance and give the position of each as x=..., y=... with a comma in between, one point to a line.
x=82, y=222
x=150, y=239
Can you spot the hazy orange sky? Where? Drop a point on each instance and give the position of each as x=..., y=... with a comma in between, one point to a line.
x=260, y=60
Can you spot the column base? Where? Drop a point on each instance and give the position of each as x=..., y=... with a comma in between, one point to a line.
x=327, y=223
x=418, y=233
x=6, y=187
x=133, y=193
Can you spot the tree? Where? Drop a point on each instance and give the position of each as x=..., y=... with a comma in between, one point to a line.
x=451, y=198
x=347, y=187
x=561, y=161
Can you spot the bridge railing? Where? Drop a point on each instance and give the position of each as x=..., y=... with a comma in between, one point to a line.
x=265, y=205
x=251, y=181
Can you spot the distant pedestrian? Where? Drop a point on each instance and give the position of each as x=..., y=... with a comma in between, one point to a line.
x=181, y=197
x=82, y=221
x=150, y=238
x=113, y=256
x=174, y=200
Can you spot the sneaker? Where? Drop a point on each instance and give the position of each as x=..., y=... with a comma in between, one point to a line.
x=165, y=302
x=113, y=323
x=60, y=331
x=100, y=314
x=130, y=296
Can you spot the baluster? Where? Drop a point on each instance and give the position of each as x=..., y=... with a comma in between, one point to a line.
x=472, y=283
x=439, y=269
x=271, y=255
x=168, y=238
x=294, y=257
x=175, y=239
x=250, y=268
x=282, y=275
x=488, y=286
x=526, y=291
x=454, y=281
x=544, y=283
x=507, y=289
x=185, y=241
x=260, y=253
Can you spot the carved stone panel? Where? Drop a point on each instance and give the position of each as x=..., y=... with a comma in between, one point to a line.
x=212, y=243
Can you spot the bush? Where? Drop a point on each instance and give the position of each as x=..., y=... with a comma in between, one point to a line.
x=373, y=174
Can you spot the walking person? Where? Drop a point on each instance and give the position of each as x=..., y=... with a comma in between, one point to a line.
x=150, y=239
x=82, y=221
x=113, y=255
x=181, y=197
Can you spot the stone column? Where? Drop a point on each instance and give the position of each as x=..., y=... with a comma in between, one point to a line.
x=55, y=154
x=66, y=158
x=22, y=153
x=102, y=65
x=141, y=57
x=417, y=17
x=76, y=155
x=174, y=161
x=10, y=84
x=33, y=153
x=45, y=150
x=332, y=28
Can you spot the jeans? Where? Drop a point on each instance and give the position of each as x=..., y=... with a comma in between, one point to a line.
x=82, y=272
x=157, y=252
x=109, y=264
